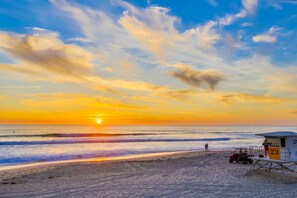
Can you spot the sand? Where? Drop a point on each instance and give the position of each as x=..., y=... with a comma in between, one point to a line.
x=192, y=174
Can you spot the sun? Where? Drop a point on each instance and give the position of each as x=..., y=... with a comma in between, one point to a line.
x=99, y=121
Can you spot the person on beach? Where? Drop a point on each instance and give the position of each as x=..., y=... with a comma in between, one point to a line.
x=266, y=147
x=206, y=147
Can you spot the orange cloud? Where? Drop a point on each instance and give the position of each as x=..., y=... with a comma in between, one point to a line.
x=61, y=100
x=3, y=97
x=182, y=95
x=234, y=98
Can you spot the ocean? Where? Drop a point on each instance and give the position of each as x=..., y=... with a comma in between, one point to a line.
x=25, y=144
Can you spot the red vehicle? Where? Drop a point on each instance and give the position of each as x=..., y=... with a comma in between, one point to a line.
x=241, y=155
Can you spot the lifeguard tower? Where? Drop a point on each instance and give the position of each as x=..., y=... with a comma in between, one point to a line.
x=282, y=152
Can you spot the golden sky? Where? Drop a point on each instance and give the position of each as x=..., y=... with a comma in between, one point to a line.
x=143, y=65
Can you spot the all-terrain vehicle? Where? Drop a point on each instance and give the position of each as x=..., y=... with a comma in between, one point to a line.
x=241, y=155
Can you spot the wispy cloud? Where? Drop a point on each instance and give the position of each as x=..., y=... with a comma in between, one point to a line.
x=152, y=34
x=2, y=97
x=96, y=25
x=294, y=2
x=243, y=98
x=213, y=2
x=80, y=39
x=181, y=95
x=197, y=78
x=20, y=86
x=264, y=38
x=60, y=100
x=206, y=35
x=277, y=4
x=269, y=37
x=250, y=6
x=247, y=24
x=15, y=68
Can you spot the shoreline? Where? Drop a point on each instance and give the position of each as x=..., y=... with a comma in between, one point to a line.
x=144, y=156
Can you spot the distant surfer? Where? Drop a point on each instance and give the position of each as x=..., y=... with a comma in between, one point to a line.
x=206, y=147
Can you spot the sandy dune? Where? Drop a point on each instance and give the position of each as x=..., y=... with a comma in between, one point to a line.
x=195, y=174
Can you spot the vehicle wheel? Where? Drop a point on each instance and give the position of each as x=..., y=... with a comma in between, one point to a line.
x=244, y=161
x=231, y=160
x=237, y=160
x=251, y=161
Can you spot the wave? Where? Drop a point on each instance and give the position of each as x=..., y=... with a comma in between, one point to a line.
x=75, y=135
x=150, y=132
x=111, y=141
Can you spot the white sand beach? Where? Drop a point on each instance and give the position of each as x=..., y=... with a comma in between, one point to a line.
x=192, y=174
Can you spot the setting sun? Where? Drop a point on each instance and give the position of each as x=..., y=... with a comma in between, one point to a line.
x=99, y=121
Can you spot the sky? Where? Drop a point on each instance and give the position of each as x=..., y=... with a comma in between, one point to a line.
x=206, y=62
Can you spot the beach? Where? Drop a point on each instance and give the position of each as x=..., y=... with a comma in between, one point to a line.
x=185, y=174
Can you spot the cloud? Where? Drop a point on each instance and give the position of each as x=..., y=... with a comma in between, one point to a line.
x=264, y=38
x=153, y=27
x=155, y=17
x=233, y=42
x=3, y=97
x=21, y=87
x=60, y=100
x=80, y=39
x=45, y=57
x=250, y=6
x=134, y=85
x=97, y=26
x=287, y=1
x=44, y=50
x=248, y=9
x=268, y=37
x=107, y=89
x=243, y=97
x=19, y=69
x=197, y=78
x=206, y=35
x=247, y=24
x=182, y=95
x=259, y=74
x=277, y=4
x=212, y=2
x=156, y=29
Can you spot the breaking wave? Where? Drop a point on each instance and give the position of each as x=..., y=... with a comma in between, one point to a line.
x=83, y=141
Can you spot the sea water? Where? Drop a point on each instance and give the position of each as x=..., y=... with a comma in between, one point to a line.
x=21, y=144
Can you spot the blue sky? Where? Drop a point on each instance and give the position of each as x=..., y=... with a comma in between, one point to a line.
x=206, y=57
